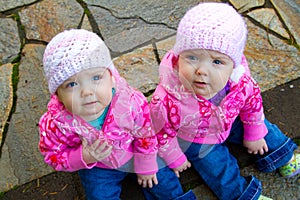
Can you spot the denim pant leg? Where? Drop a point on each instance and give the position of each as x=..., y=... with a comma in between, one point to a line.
x=101, y=183
x=169, y=187
x=220, y=171
x=281, y=149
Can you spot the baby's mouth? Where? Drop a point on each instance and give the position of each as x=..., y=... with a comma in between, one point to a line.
x=90, y=103
x=200, y=84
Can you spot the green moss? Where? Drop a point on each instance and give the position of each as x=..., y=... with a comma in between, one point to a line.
x=85, y=8
x=16, y=59
x=87, y=11
x=297, y=141
x=15, y=81
x=293, y=43
x=2, y=194
x=15, y=16
x=297, y=46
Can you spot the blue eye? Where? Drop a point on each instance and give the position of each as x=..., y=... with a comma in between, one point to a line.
x=71, y=84
x=218, y=62
x=96, y=78
x=192, y=58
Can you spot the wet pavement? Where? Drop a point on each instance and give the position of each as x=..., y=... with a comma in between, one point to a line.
x=138, y=33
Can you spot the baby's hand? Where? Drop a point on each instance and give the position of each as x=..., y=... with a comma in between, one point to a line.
x=95, y=152
x=256, y=146
x=181, y=168
x=145, y=180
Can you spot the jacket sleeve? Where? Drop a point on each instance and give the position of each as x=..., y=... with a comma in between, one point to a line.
x=252, y=114
x=145, y=142
x=63, y=152
x=168, y=147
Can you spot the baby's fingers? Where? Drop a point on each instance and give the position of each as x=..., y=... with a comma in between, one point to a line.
x=149, y=183
x=189, y=164
x=266, y=148
x=250, y=151
x=143, y=182
x=95, y=145
x=176, y=172
x=107, y=151
x=103, y=151
x=155, y=181
x=101, y=147
x=84, y=142
x=261, y=151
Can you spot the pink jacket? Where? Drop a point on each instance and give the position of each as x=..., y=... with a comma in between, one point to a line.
x=176, y=111
x=127, y=127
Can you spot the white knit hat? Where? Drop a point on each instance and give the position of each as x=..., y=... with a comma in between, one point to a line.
x=212, y=26
x=70, y=52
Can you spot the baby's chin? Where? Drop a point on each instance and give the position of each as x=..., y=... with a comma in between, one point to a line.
x=91, y=117
x=205, y=95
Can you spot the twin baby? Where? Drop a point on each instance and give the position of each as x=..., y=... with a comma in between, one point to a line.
x=103, y=128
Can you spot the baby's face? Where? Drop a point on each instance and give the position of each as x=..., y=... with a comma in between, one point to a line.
x=205, y=72
x=87, y=93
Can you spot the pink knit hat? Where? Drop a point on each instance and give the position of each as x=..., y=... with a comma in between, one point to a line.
x=70, y=52
x=212, y=26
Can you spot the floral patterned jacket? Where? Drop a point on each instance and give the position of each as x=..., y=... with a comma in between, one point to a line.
x=127, y=127
x=177, y=112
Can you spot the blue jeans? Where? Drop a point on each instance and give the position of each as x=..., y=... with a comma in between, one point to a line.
x=220, y=170
x=106, y=184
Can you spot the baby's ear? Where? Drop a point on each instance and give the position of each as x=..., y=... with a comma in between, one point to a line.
x=57, y=95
